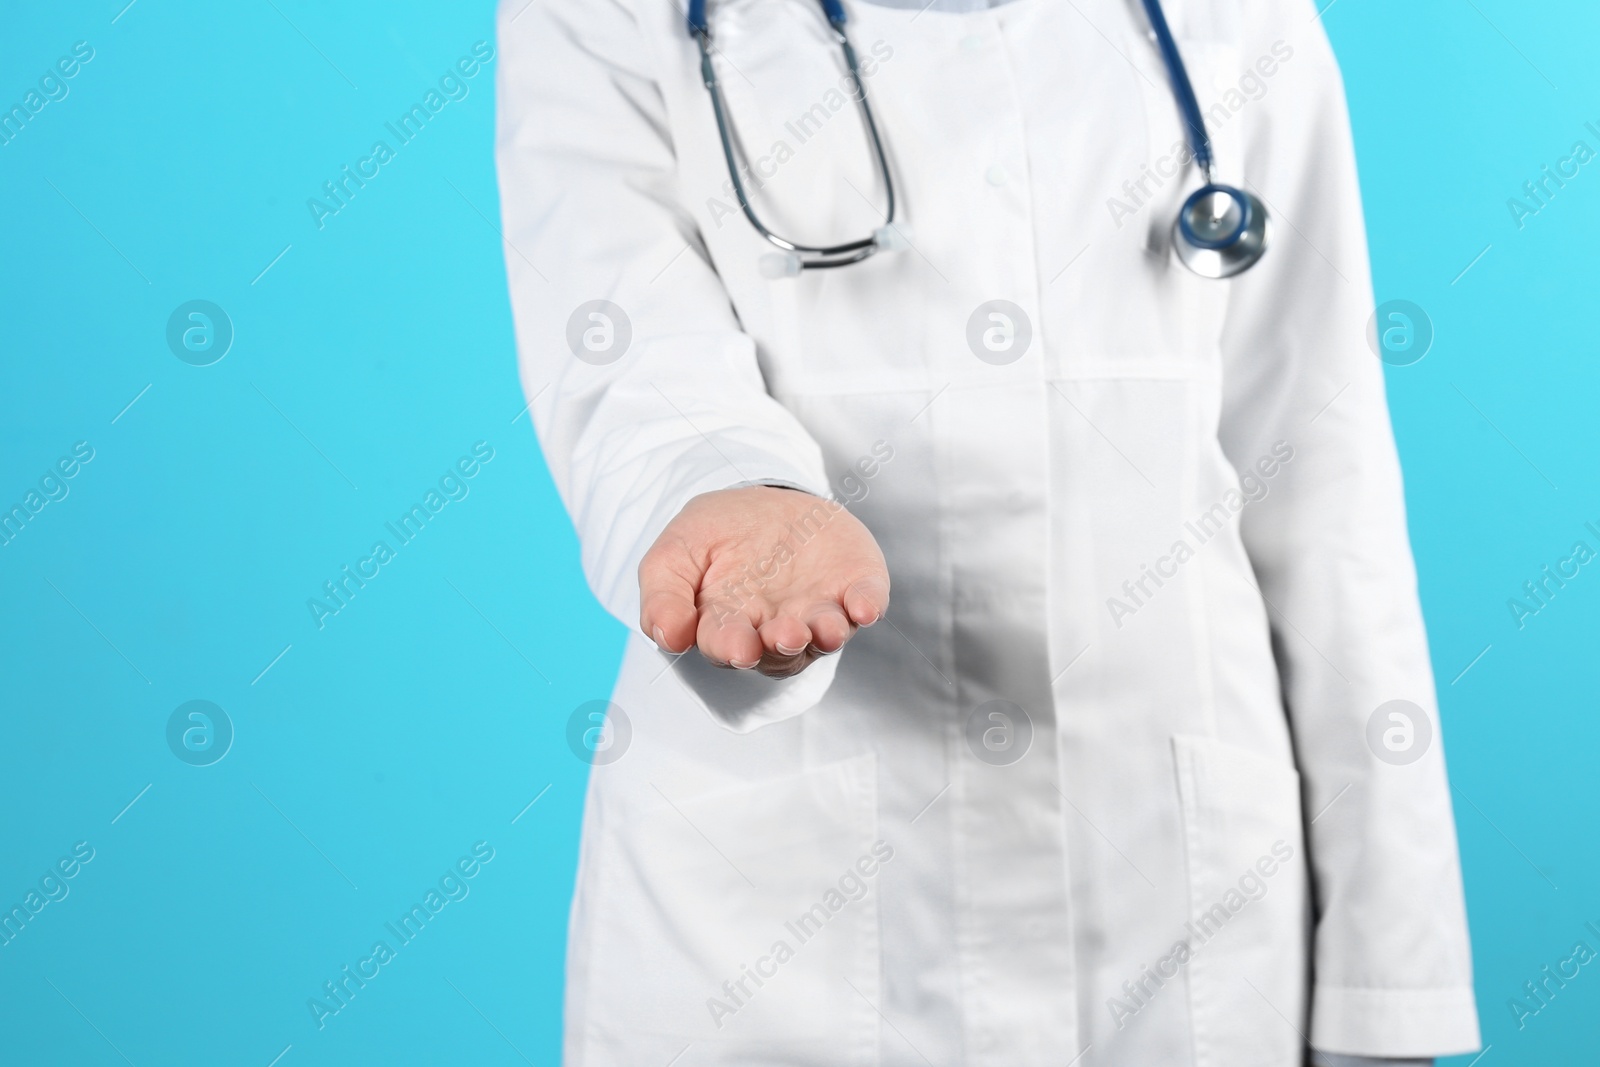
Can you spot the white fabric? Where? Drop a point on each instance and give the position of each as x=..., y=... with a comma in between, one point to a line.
x=1202, y=747
x=952, y=6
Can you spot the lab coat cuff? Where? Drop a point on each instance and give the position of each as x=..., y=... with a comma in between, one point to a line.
x=1394, y=1022
x=743, y=701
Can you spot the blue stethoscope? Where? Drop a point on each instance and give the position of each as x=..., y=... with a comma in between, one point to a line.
x=1220, y=231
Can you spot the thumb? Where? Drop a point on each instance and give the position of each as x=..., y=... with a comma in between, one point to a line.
x=669, y=580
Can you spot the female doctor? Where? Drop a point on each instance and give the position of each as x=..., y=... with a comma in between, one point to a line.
x=1143, y=767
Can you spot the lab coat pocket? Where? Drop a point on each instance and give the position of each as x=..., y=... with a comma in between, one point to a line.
x=745, y=920
x=1249, y=913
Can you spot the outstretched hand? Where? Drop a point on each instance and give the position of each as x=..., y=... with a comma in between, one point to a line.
x=761, y=578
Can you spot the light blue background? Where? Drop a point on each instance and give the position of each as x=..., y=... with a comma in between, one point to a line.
x=430, y=712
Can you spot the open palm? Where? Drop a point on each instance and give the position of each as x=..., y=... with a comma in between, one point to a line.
x=761, y=578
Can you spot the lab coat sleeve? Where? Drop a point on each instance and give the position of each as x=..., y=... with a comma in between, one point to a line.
x=664, y=398
x=1392, y=967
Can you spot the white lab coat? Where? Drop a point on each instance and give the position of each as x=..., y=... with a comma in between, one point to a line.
x=1199, y=860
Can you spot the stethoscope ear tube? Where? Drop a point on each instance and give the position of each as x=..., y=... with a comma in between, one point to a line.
x=794, y=257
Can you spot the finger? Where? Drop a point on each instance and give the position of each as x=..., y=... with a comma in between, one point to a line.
x=866, y=600
x=785, y=637
x=829, y=627
x=668, y=582
x=727, y=638
x=789, y=666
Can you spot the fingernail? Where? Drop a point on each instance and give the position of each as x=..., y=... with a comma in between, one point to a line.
x=782, y=651
x=736, y=665
x=660, y=639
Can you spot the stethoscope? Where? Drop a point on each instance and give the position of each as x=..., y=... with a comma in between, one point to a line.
x=1220, y=230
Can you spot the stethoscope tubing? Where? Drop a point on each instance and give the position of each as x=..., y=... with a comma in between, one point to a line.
x=1216, y=257
x=811, y=256
x=1182, y=88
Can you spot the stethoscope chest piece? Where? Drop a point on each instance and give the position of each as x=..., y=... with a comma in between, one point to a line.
x=1220, y=231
